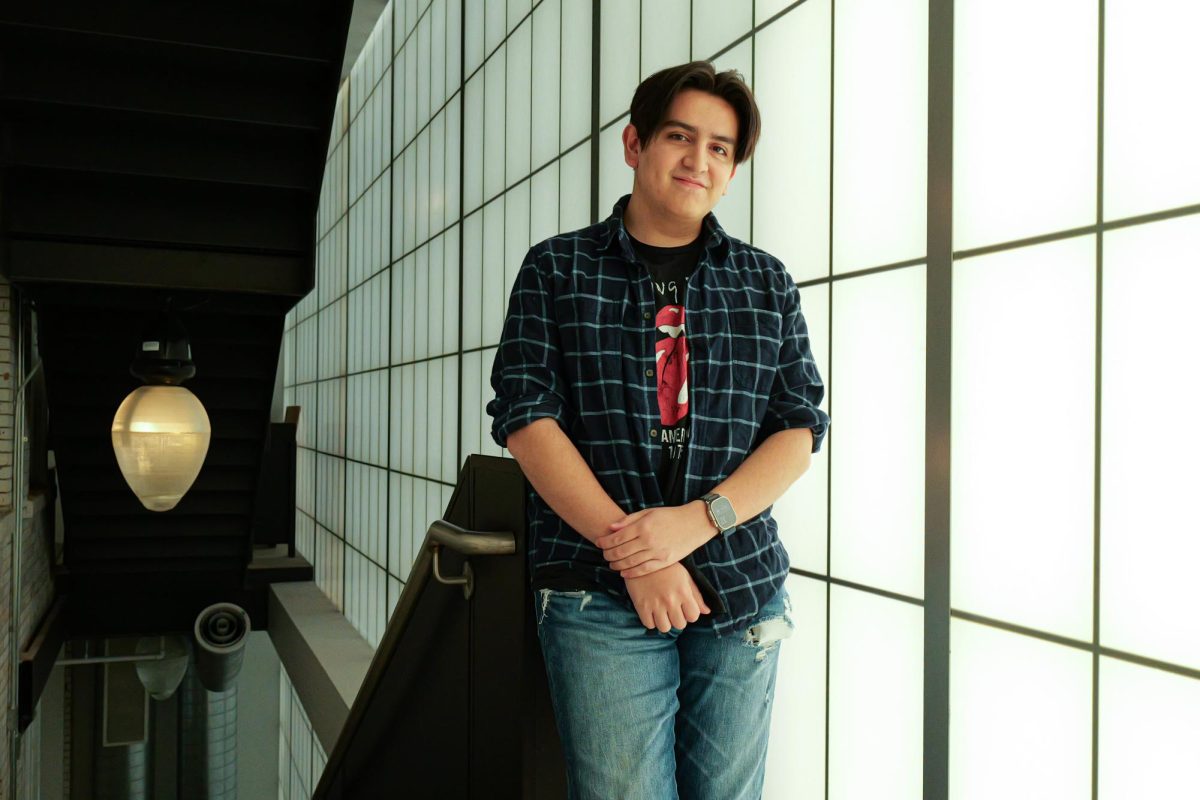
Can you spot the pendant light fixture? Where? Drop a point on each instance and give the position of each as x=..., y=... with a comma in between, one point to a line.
x=160, y=433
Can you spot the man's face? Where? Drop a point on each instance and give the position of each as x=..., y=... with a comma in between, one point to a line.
x=683, y=171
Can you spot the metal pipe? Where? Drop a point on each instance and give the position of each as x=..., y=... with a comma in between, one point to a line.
x=472, y=543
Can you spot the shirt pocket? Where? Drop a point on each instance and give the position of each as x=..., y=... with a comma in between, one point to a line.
x=754, y=350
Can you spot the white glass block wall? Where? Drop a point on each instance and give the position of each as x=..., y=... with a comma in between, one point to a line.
x=1076, y=218
x=301, y=757
x=462, y=135
x=995, y=274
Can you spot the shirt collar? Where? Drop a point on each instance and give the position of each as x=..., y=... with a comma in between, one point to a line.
x=615, y=235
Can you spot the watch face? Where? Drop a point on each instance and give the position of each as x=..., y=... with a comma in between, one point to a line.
x=722, y=509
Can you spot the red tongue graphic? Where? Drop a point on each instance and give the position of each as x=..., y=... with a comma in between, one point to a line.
x=671, y=354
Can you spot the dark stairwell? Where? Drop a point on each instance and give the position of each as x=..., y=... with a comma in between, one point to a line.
x=153, y=152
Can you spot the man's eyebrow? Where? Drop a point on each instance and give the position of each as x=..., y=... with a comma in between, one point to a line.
x=693, y=129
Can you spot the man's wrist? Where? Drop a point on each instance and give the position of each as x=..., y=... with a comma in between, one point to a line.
x=704, y=520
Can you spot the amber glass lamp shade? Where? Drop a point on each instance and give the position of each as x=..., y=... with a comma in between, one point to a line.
x=160, y=436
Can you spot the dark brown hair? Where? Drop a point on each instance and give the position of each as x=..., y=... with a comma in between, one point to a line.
x=654, y=96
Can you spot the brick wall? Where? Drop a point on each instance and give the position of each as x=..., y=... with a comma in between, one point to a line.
x=37, y=591
x=7, y=370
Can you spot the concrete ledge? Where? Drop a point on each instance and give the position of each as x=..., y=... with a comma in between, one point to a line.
x=325, y=657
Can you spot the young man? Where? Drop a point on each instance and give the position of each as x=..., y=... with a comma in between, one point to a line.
x=656, y=385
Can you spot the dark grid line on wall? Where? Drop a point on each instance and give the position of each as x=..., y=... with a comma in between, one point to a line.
x=829, y=455
x=861, y=587
x=1097, y=422
x=558, y=122
x=594, y=211
x=1091, y=647
x=391, y=233
x=1082, y=230
x=423, y=66
x=462, y=172
x=502, y=197
x=346, y=342
x=939, y=309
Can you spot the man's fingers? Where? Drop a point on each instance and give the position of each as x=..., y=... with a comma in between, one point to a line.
x=612, y=554
x=662, y=621
x=677, y=618
x=691, y=611
x=647, y=619
x=610, y=540
x=637, y=559
x=699, y=600
x=628, y=519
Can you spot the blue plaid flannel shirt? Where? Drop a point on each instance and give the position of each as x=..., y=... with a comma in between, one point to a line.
x=578, y=347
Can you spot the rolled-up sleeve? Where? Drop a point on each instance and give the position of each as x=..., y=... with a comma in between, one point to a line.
x=527, y=371
x=797, y=390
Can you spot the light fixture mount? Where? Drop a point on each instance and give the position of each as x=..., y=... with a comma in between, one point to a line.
x=164, y=357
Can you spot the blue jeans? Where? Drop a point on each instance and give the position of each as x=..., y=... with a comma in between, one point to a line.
x=645, y=715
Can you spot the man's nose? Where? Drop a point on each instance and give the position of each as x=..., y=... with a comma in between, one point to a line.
x=694, y=157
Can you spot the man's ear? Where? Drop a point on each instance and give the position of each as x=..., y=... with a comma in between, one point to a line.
x=632, y=147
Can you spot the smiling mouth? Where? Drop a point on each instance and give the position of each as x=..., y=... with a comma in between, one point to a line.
x=686, y=182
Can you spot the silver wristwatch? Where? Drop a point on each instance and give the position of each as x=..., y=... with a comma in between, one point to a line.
x=720, y=511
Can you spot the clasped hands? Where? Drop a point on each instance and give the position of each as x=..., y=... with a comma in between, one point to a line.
x=646, y=548
x=652, y=539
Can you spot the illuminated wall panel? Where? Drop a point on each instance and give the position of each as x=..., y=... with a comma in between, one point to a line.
x=1148, y=732
x=616, y=177
x=668, y=23
x=618, y=71
x=576, y=72
x=875, y=687
x=796, y=752
x=1023, y=526
x=1151, y=161
x=1024, y=128
x=791, y=177
x=1020, y=717
x=1148, y=542
x=878, y=355
x=545, y=83
x=880, y=82
x=716, y=23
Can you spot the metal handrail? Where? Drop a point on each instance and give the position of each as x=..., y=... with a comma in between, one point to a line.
x=472, y=543
x=468, y=543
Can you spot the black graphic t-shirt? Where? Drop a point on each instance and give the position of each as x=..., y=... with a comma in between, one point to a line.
x=670, y=268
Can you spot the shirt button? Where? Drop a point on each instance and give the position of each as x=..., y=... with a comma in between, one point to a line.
x=654, y=433
x=645, y=315
x=649, y=373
